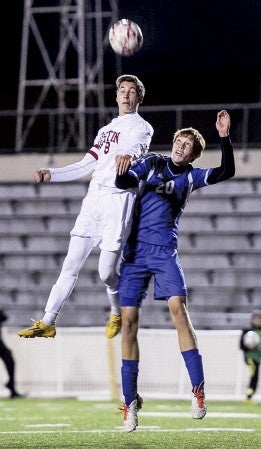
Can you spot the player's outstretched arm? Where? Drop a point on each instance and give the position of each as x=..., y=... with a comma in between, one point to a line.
x=223, y=123
x=42, y=175
x=227, y=168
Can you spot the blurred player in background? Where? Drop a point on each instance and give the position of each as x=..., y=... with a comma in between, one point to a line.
x=106, y=213
x=152, y=250
x=252, y=355
x=8, y=359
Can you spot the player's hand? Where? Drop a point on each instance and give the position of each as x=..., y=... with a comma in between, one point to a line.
x=123, y=163
x=223, y=123
x=42, y=175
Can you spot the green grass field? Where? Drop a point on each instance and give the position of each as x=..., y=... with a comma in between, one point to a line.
x=69, y=423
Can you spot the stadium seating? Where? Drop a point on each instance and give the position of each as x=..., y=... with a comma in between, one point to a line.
x=220, y=249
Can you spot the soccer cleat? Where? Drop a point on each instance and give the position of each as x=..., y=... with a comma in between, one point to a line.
x=248, y=401
x=39, y=329
x=131, y=414
x=15, y=395
x=198, y=406
x=113, y=326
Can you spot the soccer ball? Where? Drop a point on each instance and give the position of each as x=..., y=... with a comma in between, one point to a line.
x=251, y=340
x=125, y=37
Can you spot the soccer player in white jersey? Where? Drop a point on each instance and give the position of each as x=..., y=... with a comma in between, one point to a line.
x=106, y=212
x=152, y=251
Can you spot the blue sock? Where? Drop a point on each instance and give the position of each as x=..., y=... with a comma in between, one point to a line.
x=129, y=377
x=193, y=361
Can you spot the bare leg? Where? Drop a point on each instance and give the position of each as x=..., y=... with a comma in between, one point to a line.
x=181, y=320
x=130, y=324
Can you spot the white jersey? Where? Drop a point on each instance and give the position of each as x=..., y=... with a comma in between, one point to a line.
x=127, y=134
x=101, y=217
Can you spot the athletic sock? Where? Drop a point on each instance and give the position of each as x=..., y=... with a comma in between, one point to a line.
x=113, y=300
x=129, y=377
x=49, y=318
x=193, y=362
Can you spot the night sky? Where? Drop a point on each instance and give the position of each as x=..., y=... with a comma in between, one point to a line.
x=202, y=51
x=195, y=51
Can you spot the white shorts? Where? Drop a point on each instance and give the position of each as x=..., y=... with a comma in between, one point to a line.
x=106, y=218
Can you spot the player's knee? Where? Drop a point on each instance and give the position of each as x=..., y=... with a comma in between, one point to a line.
x=108, y=276
x=130, y=326
x=71, y=267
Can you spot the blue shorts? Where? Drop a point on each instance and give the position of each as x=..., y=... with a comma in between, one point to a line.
x=143, y=261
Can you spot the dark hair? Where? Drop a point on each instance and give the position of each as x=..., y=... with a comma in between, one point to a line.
x=132, y=79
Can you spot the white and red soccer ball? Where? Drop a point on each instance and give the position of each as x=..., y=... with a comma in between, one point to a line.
x=125, y=37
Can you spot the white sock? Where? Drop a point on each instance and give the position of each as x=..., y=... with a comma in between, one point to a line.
x=49, y=318
x=114, y=301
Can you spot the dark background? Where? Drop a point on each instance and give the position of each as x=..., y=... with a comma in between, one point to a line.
x=199, y=51
x=195, y=51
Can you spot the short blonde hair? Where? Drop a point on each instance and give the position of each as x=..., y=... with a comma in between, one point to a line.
x=199, y=141
x=132, y=79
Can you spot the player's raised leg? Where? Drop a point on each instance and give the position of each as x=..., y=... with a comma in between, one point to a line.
x=78, y=251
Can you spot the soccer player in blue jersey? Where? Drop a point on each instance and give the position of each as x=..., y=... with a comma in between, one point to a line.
x=152, y=250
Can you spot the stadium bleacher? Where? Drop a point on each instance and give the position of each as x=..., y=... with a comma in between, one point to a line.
x=220, y=249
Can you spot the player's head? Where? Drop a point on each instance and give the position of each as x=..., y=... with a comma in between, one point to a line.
x=197, y=138
x=132, y=79
x=256, y=318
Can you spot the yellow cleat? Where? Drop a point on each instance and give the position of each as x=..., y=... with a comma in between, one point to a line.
x=248, y=401
x=113, y=326
x=39, y=329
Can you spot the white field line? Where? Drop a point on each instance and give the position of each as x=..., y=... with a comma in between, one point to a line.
x=121, y=429
x=208, y=415
x=142, y=428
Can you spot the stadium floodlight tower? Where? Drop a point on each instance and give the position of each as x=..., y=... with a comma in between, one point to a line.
x=62, y=92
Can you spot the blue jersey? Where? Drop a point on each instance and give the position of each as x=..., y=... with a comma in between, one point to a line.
x=164, y=194
x=165, y=190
